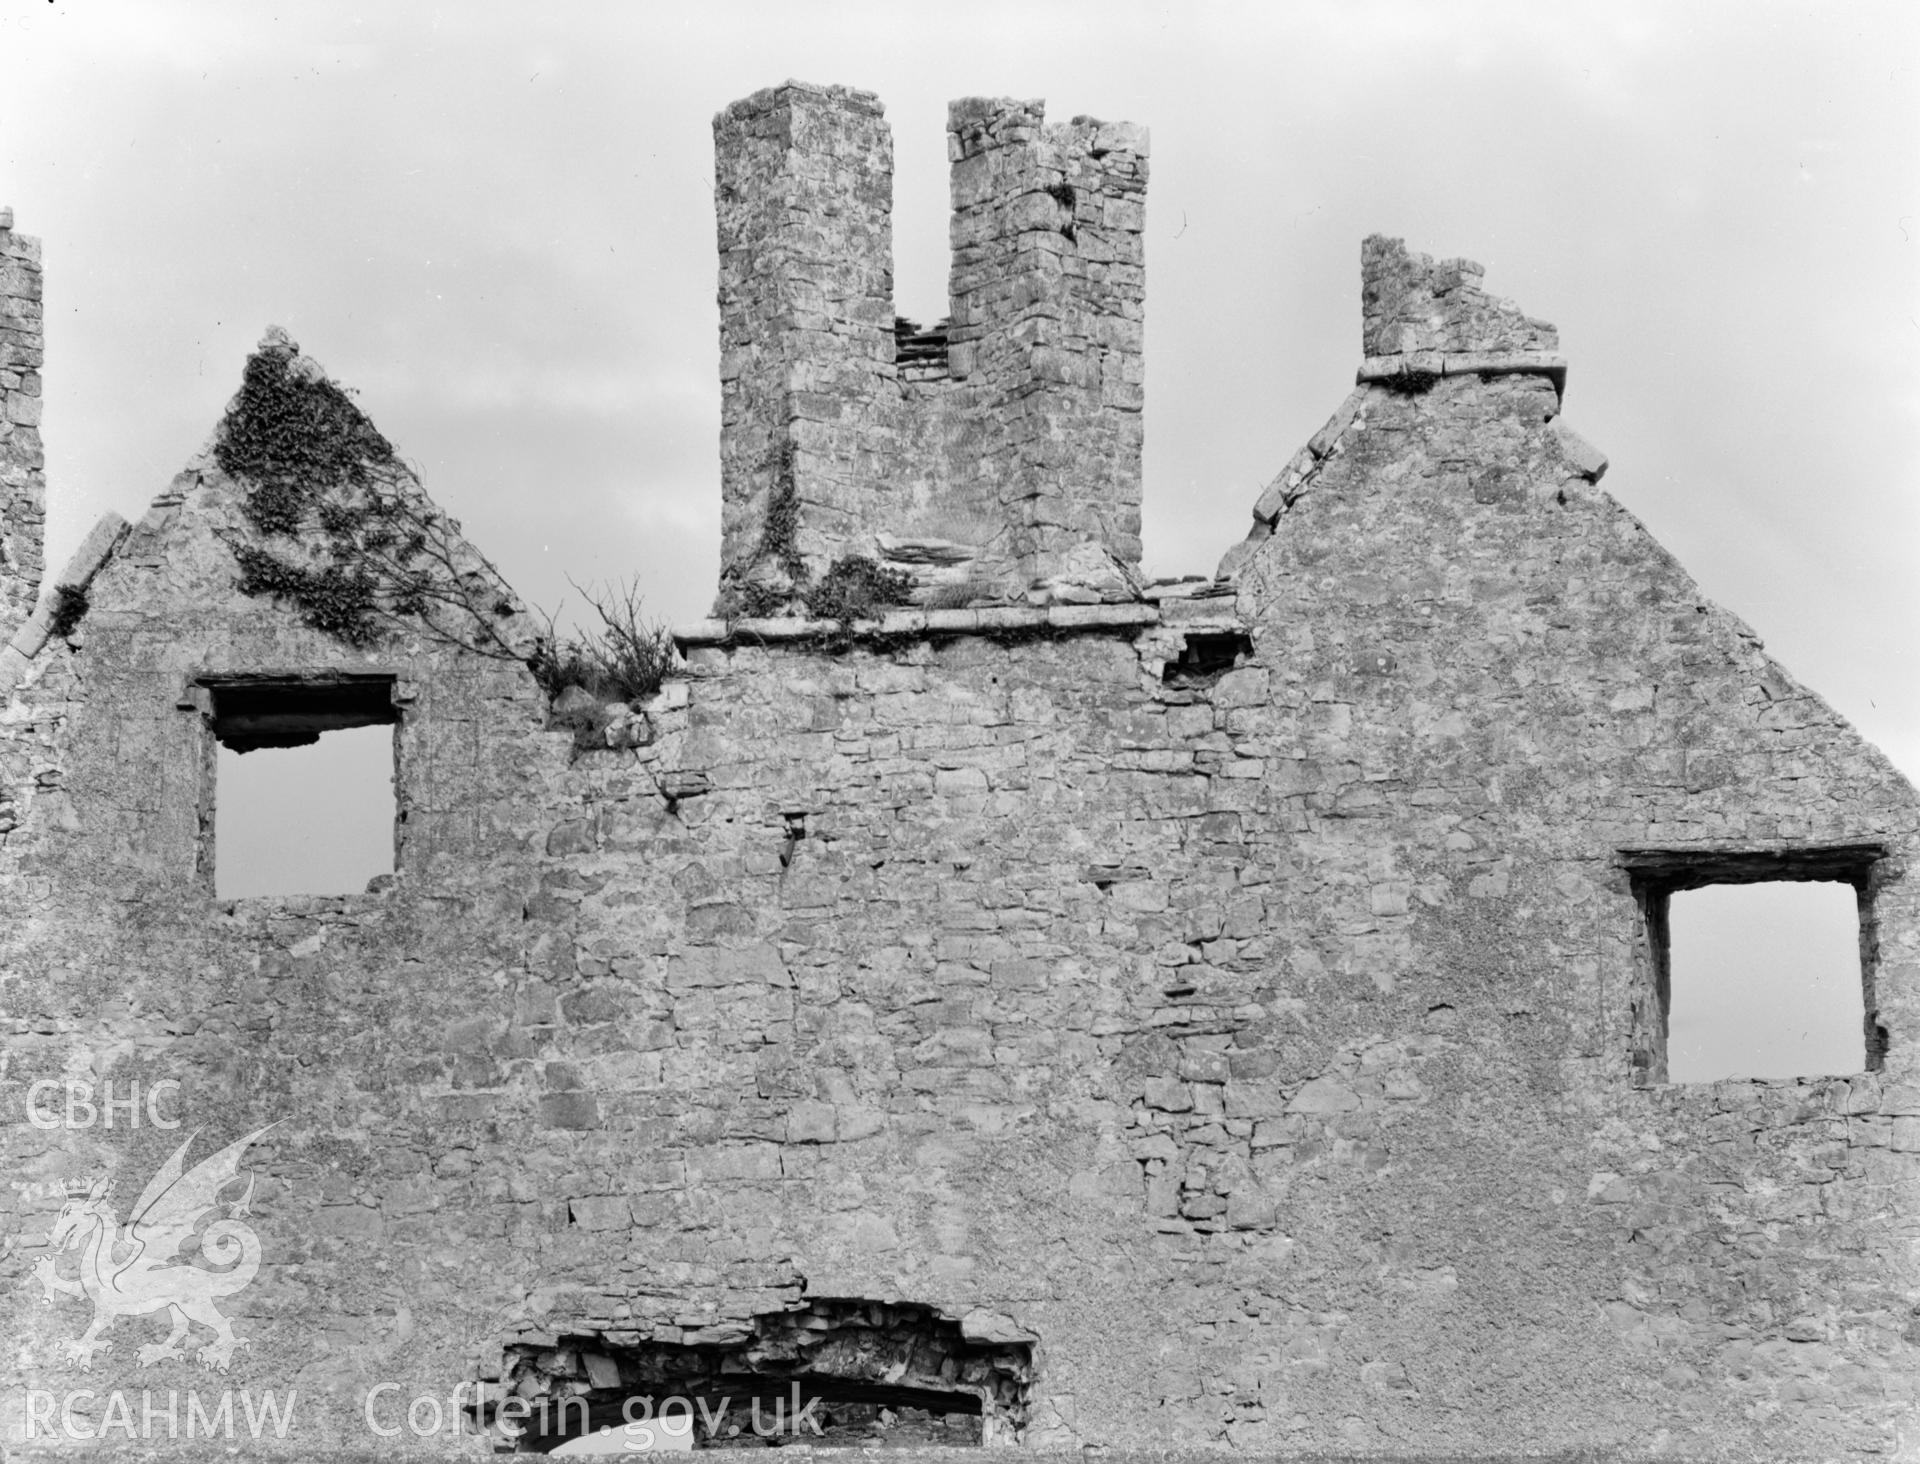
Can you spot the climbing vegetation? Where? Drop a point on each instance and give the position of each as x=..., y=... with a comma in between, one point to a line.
x=855, y=587
x=624, y=658
x=342, y=533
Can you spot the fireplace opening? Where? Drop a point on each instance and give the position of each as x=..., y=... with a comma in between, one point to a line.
x=846, y=1373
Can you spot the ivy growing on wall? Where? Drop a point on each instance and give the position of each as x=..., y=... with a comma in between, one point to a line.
x=292, y=435
x=338, y=537
x=70, y=606
x=853, y=586
x=779, y=542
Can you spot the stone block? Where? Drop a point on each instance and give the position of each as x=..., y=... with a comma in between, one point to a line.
x=1902, y=1100
x=733, y=1163
x=811, y=1123
x=1324, y=1095
x=1584, y=458
x=1246, y=686
x=994, y=1328
x=569, y=1111
x=1169, y=1095
x=1271, y=502
x=601, y=1212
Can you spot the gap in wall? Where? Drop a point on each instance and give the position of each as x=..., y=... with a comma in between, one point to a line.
x=834, y=1373
x=922, y=210
x=1765, y=981
x=311, y=820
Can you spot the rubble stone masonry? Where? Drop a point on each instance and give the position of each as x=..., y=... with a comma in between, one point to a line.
x=1020, y=458
x=1223, y=1016
x=22, y=479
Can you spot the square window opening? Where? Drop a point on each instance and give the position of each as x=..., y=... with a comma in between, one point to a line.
x=1755, y=966
x=1206, y=655
x=303, y=782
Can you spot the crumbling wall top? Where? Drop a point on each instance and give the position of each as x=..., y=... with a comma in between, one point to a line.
x=774, y=98
x=1422, y=319
x=1412, y=302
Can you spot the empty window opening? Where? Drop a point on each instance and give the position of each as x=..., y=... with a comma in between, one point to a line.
x=303, y=786
x=1765, y=982
x=847, y=1373
x=1756, y=965
x=1206, y=655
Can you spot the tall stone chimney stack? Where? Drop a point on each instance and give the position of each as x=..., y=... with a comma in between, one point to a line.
x=804, y=201
x=1048, y=292
x=1021, y=423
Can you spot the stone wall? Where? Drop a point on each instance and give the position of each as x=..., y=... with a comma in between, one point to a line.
x=804, y=198
x=22, y=478
x=1048, y=299
x=1213, y=1021
x=1411, y=305
x=1015, y=468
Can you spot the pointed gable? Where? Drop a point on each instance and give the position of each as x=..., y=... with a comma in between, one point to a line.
x=294, y=579
x=1482, y=655
x=299, y=510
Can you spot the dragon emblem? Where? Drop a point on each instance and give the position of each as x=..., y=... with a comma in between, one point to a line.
x=136, y=1268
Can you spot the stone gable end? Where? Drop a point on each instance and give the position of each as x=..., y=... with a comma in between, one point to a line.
x=1037, y=1009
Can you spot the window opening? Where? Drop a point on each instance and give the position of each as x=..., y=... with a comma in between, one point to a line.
x=1765, y=983
x=1205, y=655
x=303, y=786
x=1755, y=965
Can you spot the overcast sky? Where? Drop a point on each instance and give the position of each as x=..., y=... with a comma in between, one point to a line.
x=496, y=222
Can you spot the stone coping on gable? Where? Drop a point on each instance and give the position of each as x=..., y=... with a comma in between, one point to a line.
x=1387, y=369
x=86, y=562
x=1185, y=602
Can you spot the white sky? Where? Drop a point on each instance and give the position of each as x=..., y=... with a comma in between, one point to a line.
x=495, y=221
x=313, y=820
x=1766, y=982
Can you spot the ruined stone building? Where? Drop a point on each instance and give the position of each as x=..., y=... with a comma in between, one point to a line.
x=1010, y=1002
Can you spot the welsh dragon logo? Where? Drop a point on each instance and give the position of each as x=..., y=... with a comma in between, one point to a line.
x=136, y=1268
